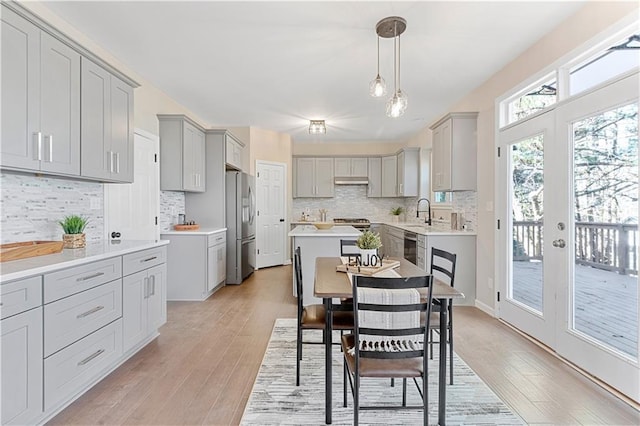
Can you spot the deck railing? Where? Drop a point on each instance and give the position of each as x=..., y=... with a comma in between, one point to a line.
x=609, y=246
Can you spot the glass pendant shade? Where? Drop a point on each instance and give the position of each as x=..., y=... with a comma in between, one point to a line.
x=403, y=99
x=377, y=87
x=395, y=106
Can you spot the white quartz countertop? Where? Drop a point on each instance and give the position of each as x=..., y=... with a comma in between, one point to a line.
x=312, y=231
x=201, y=231
x=435, y=229
x=17, y=269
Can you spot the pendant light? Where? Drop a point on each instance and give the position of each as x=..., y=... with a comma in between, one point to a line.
x=378, y=87
x=392, y=27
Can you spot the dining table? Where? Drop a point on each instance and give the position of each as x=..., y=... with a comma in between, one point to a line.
x=330, y=284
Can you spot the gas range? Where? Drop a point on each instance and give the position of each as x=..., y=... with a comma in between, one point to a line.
x=358, y=223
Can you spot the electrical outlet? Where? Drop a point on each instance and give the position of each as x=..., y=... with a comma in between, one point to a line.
x=94, y=203
x=490, y=282
x=173, y=211
x=489, y=206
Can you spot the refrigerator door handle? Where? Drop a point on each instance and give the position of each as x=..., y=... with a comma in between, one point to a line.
x=252, y=212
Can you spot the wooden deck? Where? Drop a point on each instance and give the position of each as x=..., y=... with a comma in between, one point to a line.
x=606, y=302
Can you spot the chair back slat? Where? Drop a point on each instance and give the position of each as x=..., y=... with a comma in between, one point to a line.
x=388, y=335
x=438, y=260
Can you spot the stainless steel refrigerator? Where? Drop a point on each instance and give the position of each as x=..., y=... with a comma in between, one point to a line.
x=241, y=226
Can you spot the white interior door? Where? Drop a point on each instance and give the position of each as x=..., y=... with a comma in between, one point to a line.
x=270, y=213
x=132, y=210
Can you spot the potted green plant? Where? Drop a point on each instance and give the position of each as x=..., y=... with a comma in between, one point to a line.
x=396, y=212
x=73, y=227
x=368, y=243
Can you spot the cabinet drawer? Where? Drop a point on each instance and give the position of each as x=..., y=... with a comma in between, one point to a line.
x=71, y=369
x=217, y=238
x=20, y=296
x=134, y=262
x=74, y=317
x=74, y=280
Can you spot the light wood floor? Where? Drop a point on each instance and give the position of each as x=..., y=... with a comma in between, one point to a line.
x=202, y=367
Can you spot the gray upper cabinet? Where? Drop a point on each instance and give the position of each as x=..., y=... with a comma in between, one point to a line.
x=40, y=100
x=233, y=152
x=454, y=151
x=408, y=172
x=182, y=154
x=389, y=176
x=374, y=189
x=351, y=167
x=314, y=177
x=107, y=125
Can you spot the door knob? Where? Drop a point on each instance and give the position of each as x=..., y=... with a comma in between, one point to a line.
x=559, y=243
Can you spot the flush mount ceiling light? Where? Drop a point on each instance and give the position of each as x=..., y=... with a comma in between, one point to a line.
x=391, y=27
x=317, y=127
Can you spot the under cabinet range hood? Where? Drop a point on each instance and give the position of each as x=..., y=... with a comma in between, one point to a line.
x=351, y=180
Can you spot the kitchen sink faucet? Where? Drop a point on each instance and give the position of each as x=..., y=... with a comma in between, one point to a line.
x=427, y=219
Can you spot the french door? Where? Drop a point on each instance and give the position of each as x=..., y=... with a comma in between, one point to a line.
x=568, y=250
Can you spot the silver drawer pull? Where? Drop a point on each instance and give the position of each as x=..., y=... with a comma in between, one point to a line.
x=90, y=311
x=92, y=356
x=149, y=259
x=88, y=277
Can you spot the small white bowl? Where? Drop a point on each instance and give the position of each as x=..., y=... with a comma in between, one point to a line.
x=323, y=225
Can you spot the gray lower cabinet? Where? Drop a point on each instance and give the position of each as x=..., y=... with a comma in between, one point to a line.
x=196, y=264
x=182, y=154
x=40, y=100
x=144, y=304
x=21, y=351
x=107, y=125
x=63, y=331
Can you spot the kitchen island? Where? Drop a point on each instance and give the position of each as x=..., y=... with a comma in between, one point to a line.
x=317, y=243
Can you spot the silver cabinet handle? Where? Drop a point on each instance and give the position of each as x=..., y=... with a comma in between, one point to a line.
x=88, y=277
x=50, y=148
x=110, y=160
x=90, y=312
x=146, y=288
x=92, y=356
x=149, y=259
x=117, y=162
x=153, y=285
x=38, y=143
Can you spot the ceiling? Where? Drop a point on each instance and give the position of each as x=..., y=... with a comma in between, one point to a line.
x=276, y=65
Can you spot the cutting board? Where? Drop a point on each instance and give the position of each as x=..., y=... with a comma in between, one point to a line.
x=186, y=227
x=369, y=270
x=15, y=251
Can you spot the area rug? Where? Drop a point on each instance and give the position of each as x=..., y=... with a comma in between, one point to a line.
x=275, y=399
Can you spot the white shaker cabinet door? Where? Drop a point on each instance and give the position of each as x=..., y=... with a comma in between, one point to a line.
x=134, y=309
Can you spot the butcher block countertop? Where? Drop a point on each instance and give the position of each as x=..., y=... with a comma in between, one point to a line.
x=201, y=231
x=94, y=251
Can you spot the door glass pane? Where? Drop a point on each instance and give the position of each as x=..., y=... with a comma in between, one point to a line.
x=526, y=219
x=605, y=291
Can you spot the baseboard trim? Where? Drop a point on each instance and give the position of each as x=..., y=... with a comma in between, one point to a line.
x=624, y=398
x=485, y=308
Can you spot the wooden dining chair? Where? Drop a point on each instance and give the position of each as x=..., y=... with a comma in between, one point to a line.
x=349, y=248
x=443, y=265
x=312, y=317
x=389, y=338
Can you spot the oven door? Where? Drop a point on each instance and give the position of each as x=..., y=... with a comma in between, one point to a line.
x=410, y=247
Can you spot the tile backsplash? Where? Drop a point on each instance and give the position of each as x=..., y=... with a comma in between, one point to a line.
x=31, y=207
x=352, y=201
x=172, y=203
